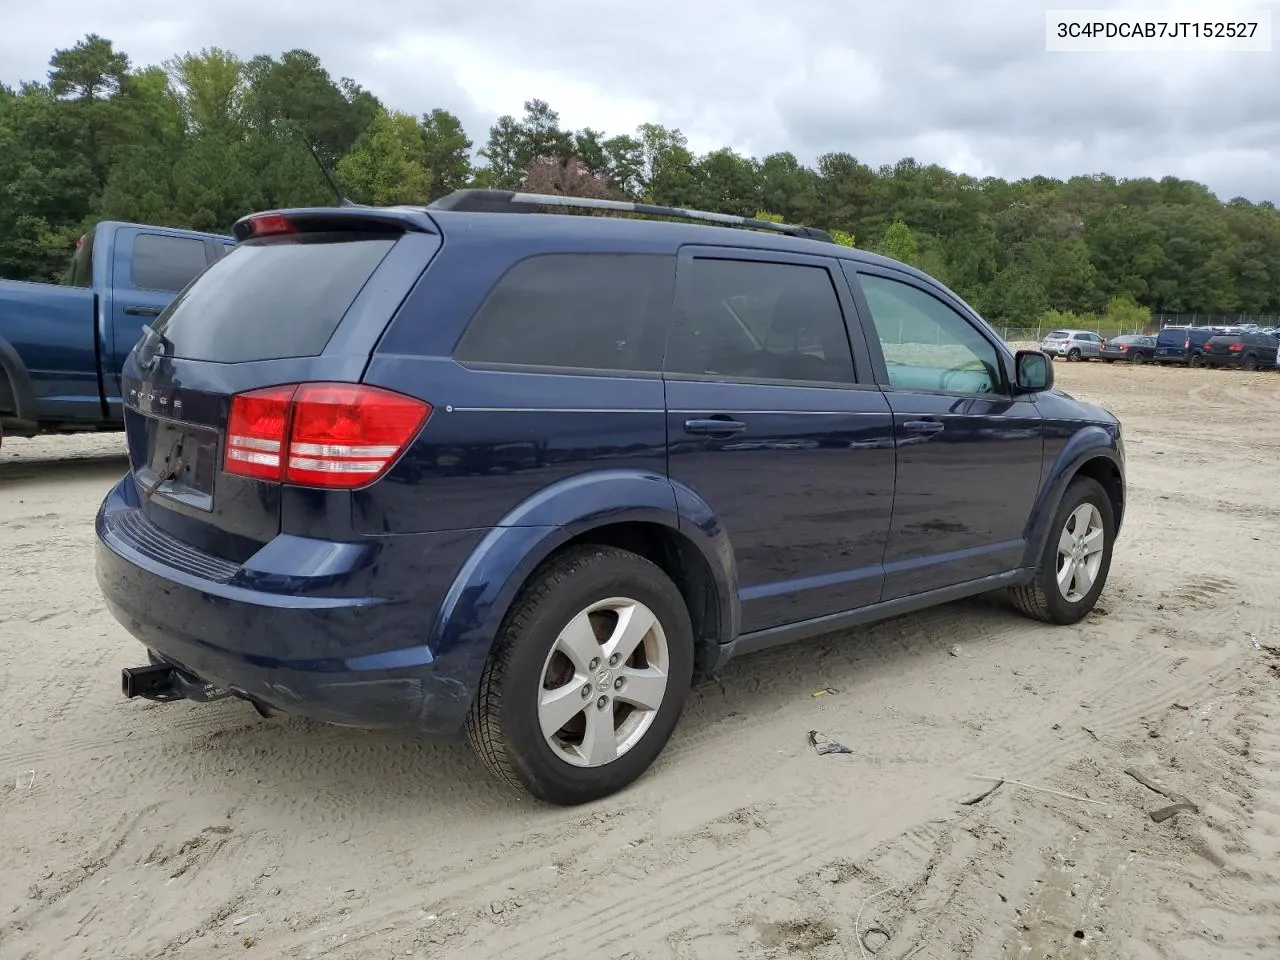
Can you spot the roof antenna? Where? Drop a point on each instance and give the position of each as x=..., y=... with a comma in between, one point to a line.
x=337, y=192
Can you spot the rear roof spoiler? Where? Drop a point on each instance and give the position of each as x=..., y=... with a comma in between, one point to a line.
x=354, y=217
x=511, y=201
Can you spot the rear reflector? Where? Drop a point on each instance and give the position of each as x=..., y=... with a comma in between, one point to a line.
x=334, y=435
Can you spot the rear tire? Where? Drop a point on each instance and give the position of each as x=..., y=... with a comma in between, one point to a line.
x=1196, y=360
x=1071, y=573
x=1139, y=358
x=1073, y=354
x=1250, y=362
x=587, y=678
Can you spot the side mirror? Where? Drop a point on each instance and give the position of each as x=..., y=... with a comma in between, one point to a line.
x=1033, y=370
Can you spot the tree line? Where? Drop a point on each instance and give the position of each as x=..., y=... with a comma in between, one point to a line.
x=207, y=137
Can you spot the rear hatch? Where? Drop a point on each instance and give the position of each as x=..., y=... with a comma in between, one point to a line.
x=1172, y=343
x=212, y=389
x=1224, y=346
x=1056, y=339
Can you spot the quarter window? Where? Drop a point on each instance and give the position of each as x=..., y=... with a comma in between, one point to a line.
x=751, y=320
x=591, y=311
x=927, y=345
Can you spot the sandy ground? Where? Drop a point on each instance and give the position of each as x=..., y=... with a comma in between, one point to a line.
x=142, y=830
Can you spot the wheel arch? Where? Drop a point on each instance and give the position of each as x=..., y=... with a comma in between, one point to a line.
x=16, y=387
x=631, y=511
x=1093, y=452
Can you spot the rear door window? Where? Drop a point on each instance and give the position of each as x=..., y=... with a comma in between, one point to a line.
x=272, y=298
x=166, y=263
x=590, y=312
x=755, y=320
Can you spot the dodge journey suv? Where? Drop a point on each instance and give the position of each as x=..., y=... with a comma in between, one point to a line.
x=478, y=465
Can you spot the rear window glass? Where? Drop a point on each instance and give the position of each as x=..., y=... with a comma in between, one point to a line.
x=1057, y=335
x=585, y=311
x=166, y=263
x=272, y=298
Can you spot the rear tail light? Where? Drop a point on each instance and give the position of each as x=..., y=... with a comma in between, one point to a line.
x=1124, y=347
x=256, y=432
x=334, y=435
x=1235, y=346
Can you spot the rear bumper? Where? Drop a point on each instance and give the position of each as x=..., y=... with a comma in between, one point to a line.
x=355, y=660
x=1235, y=361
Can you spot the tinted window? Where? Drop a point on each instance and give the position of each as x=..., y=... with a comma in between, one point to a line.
x=743, y=319
x=927, y=345
x=272, y=298
x=166, y=263
x=1058, y=335
x=588, y=311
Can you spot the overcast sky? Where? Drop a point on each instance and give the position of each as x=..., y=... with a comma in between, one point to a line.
x=963, y=83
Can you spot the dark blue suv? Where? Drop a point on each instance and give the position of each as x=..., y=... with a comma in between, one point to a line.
x=533, y=474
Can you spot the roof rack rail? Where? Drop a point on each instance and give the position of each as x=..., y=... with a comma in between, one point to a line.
x=513, y=201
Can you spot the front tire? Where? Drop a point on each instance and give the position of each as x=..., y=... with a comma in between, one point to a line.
x=587, y=678
x=1076, y=559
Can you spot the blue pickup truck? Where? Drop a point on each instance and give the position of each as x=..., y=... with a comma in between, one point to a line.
x=62, y=345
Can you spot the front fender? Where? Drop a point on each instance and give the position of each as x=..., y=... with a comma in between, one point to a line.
x=484, y=589
x=1088, y=443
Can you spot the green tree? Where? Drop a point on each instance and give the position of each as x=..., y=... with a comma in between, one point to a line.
x=91, y=70
x=899, y=242
x=446, y=153
x=210, y=88
x=388, y=165
x=514, y=144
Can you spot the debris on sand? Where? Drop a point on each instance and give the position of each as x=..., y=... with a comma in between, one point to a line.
x=1179, y=804
x=824, y=744
x=982, y=796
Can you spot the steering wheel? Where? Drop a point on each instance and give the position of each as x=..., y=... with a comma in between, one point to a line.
x=962, y=368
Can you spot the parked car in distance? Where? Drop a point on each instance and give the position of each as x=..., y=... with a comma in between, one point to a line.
x=1073, y=344
x=1135, y=348
x=713, y=440
x=62, y=345
x=1245, y=351
x=1183, y=345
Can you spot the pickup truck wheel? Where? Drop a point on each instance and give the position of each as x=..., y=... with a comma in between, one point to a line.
x=1073, y=354
x=587, y=678
x=1077, y=557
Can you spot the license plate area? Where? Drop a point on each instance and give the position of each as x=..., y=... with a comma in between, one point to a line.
x=181, y=463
